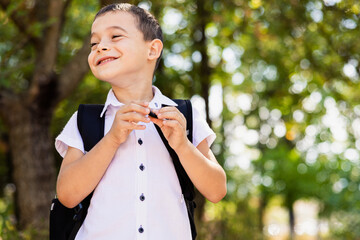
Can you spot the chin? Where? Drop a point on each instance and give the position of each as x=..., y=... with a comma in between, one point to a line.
x=107, y=80
x=113, y=81
x=106, y=77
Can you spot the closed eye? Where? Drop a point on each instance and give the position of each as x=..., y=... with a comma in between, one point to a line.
x=116, y=36
x=92, y=44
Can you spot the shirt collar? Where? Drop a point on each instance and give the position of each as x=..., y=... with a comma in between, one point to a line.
x=110, y=100
x=158, y=100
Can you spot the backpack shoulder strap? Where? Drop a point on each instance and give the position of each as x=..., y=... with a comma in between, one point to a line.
x=185, y=108
x=187, y=186
x=89, y=118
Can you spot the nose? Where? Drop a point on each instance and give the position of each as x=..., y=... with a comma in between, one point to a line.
x=103, y=47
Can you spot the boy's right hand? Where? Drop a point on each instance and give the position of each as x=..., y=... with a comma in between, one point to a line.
x=127, y=119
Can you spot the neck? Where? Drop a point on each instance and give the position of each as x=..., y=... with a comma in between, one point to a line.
x=141, y=92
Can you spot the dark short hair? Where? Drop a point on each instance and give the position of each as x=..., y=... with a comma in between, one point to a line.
x=146, y=22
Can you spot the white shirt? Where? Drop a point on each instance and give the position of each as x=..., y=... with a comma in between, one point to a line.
x=139, y=196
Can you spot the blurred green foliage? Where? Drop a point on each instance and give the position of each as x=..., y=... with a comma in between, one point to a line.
x=289, y=120
x=8, y=220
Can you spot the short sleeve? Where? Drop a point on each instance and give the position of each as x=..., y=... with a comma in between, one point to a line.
x=70, y=136
x=201, y=129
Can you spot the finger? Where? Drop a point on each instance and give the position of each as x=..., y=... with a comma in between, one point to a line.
x=157, y=121
x=138, y=126
x=134, y=117
x=133, y=126
x=142, y=103
x=135, y=107
x=167, y=109
x=173, y=116
x=173, y=124
x=168, y=115
x=172, y=109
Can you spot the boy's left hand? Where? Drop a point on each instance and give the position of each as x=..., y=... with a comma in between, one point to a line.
x=173, y=125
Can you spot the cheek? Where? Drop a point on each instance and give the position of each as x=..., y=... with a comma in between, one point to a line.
x=91, y=63
x=89, y=59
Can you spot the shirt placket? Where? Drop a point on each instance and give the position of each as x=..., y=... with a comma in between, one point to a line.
x=142, y=193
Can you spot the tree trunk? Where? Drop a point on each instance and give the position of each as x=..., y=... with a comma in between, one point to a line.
x=261, y=211
x=292, y=222
x=203, y=72
x=33, y=164
x=28, y=113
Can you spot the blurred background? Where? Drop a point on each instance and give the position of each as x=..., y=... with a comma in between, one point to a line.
x=277, y=80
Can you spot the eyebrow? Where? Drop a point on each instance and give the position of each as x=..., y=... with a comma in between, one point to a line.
x=111, y=27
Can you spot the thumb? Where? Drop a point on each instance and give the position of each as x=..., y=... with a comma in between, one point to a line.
x=157, y=121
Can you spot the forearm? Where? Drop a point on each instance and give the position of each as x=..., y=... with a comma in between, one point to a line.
x=78, y=178
x=207, y=175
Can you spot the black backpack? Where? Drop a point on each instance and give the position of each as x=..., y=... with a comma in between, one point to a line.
x=66, y=222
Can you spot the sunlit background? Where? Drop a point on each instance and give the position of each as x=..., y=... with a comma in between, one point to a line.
x=278, y=81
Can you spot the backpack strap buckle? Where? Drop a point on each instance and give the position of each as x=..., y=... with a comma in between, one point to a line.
x=78, y=210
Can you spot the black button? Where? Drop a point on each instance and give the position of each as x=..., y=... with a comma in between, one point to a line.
x=142, y=167
x=141, y=229
x=140, y=141
x=142, y=197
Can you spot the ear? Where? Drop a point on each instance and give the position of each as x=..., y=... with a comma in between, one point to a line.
x=155, y=48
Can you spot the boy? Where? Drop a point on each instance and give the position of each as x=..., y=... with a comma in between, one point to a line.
x=137, y=194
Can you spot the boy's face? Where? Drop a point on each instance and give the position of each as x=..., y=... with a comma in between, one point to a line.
x=118, y=48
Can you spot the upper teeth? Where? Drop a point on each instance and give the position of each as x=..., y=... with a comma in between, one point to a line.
x=106, y=60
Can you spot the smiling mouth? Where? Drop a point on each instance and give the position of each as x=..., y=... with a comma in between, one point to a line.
x=103, y=61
